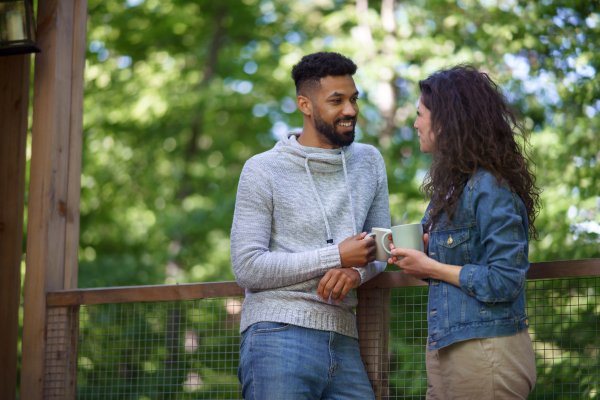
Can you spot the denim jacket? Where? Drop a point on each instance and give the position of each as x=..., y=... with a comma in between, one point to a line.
x=489, y=239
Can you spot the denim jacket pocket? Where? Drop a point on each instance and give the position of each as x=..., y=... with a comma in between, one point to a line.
x=453, y=246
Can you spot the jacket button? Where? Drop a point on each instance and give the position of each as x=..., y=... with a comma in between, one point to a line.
x=450, y=241
x=527, y=322
x=432, y=343
x=433, y=313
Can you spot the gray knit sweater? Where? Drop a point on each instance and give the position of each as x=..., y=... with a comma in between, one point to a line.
x=291, y=200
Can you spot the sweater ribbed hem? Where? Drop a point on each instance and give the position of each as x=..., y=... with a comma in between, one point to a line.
x=342, y=324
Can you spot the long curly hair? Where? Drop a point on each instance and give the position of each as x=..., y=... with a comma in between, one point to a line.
x=474, y=127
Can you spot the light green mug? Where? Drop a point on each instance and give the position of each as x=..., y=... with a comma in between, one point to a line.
x=409, y=236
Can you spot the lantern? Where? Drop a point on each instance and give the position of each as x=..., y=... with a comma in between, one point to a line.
x=17, y=27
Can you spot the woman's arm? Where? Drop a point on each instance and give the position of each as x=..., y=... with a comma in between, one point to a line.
x=504, y=238
x=418, y=265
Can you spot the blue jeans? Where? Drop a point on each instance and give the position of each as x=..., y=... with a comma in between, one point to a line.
x=287, y=362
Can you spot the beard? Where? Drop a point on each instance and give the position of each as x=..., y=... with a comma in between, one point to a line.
x=329, y=131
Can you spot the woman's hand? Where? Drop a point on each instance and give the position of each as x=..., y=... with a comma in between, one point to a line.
x=425, y=246
x=419, y=265
x=415, y=263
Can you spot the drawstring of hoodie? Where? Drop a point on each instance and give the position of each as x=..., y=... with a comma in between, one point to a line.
x=349, y=195
x=314, y=189
x=316, y=194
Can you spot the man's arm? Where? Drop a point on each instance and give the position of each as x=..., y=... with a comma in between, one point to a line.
x=378, y=216
x=254, y=266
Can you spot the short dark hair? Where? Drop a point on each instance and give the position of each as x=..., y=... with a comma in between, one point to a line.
x=311, y=68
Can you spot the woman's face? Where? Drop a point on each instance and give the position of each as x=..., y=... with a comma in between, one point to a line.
x=423, y=126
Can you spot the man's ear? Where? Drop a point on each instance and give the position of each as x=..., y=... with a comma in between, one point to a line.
x=305, y=105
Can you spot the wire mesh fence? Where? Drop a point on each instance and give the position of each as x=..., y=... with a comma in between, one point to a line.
x=565, y=328
x=408, y=339
x=158, y=350
x=189, y=349
x=564, y=324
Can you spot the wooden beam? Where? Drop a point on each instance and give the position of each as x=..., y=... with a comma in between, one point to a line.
x=53, y=220
x=133, y=294
x=385, y=280
x=391, y=280
x=373, y=323
x=564, y=269
x=75, y=146
x=14, y=107
x=539, y=270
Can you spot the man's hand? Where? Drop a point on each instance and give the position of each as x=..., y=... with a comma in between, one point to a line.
x=337, y=283
x=356, y=251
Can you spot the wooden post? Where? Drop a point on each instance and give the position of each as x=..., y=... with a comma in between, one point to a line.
x=14, y=107
x=54, y=183
x=373, y=321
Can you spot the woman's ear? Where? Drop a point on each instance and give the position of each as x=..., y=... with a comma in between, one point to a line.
x=305, y=105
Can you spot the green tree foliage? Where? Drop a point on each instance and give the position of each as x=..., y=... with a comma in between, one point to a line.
x=179, y=94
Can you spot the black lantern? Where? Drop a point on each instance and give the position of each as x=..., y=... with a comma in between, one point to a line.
x=17, y=27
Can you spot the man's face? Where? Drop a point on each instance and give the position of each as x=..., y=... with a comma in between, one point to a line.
x=335, y=109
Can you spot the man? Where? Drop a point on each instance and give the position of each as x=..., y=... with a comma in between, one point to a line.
x=297, y=246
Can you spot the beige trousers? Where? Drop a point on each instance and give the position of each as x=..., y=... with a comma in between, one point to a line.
x=499, y=368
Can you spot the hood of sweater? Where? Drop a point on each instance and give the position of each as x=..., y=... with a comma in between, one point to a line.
x=315, y=159
x=321, y=160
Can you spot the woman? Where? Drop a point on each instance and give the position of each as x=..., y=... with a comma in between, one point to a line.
x=480, y=218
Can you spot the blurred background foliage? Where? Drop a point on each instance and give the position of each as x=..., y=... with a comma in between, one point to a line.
x=179, y=94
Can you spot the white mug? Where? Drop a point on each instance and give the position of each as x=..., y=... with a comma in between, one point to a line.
x=377, y=234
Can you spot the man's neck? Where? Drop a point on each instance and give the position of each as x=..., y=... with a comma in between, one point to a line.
x=310, y=137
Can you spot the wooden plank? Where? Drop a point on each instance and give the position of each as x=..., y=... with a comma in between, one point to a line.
x=62, y=338
x=75, y=146
x=128, y=294
x=132, y=294
x=373, y=323
x=49, y=200
x=539, y=270
x=56, y=199
x=74, y=193
x=73, y=355
x=564, y=269
x=14, y=107
x=391, y=280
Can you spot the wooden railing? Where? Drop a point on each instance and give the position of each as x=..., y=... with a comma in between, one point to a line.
x=373, y=295
x=190, y=291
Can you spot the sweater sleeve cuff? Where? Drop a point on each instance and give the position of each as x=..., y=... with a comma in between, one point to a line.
x=330, y=257
x=362, y=272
